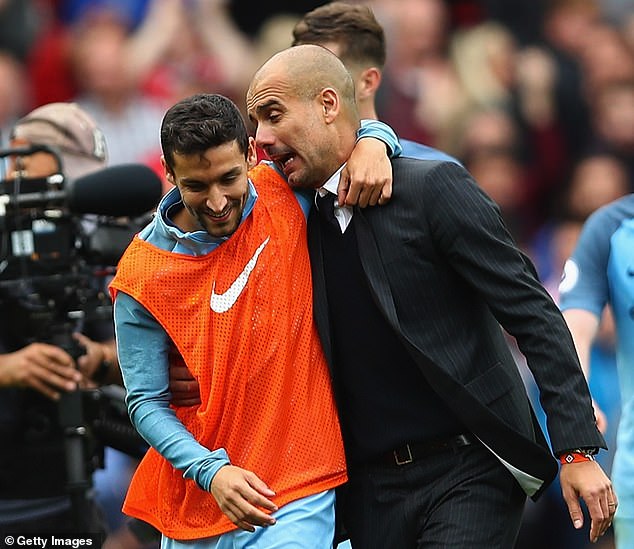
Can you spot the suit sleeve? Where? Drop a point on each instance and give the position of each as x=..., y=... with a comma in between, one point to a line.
x=467, y=229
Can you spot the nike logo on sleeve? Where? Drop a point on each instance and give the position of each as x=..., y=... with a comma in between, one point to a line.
x=221, y=303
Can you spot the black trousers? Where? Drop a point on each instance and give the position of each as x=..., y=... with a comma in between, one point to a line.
x=460, y=499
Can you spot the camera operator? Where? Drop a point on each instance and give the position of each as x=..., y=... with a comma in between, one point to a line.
x=34, y=377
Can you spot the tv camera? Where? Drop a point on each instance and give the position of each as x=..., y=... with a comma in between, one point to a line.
x=60, y=241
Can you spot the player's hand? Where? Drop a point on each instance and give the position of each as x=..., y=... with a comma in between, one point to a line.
x=183, y=386
x=243, y=497
x=588, y=481
x=42, y=367
x=366, y=179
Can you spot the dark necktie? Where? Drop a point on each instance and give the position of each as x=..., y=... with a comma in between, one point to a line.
x=326, y=208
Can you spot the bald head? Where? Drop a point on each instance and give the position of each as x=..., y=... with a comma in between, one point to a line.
x=304, y=71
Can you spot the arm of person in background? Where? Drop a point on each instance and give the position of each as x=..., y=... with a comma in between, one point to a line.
x=143, y=348
x=584, y=327
x=584, y=291
x=45, y=368
x=225, y=42
x=148, y=44
x=50, y=370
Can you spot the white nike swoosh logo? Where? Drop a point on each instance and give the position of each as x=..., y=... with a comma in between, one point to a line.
x=221, y=303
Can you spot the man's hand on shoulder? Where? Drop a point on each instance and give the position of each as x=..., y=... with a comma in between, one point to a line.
x=183, y=386
x=366, y=180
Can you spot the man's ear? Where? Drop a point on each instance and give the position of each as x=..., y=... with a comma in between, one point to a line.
x=368, y=83
x=330, y=103
x=169, y=175
x=252, y=154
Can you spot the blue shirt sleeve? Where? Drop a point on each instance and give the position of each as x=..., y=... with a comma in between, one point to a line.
x=584, y=284
x=142, y=347
x=412, y=149
x=380, y=130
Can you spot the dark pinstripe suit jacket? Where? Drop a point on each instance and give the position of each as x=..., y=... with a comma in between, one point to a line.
x=446, y=274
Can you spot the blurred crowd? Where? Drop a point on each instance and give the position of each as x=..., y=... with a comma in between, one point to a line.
x=534, y=97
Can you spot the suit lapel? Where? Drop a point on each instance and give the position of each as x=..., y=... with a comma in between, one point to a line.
x=320, y=299
x=374, y=270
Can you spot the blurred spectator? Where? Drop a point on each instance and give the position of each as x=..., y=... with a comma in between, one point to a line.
x=544, y=126
x=486, y=127
x=125, y=74
x=158, y=32
x=14, y=93
x=19, y=25
x=490, y=144
x=110, y=91
x=522, y=17
x=484, y=57
x=275, y=34
x=596, y=180
x=226, y=43
x=613, y=122
x=48, y=61
x=567, y=22
x=605, y=57
x=536, y=80
x=501, y=174
x=183, y=47
x=566, y=26
x=420, y=93
x=523, y=82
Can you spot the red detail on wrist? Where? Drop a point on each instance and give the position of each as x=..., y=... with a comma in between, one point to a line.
x=575, y=457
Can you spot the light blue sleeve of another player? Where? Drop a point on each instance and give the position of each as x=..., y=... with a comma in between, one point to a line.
x=380, y=130
x=142, y=347
x=584, y=284
x=412, y=149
